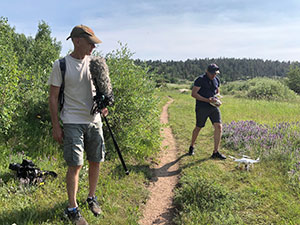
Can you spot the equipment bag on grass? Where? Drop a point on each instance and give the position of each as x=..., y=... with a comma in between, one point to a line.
x=29, y=173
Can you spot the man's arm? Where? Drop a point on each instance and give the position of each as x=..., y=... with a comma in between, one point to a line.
x=199, y=97
x=57, y=132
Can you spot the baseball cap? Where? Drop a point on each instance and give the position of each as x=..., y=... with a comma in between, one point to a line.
x=213, y=68
x=82, y=31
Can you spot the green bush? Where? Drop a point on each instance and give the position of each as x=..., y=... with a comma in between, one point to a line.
x=34, y=119
x=134, y=116
x=24, y=70
x=269, y=89
x=9, y=78
x=260, y=88
x=293, y=78
x=235, y=88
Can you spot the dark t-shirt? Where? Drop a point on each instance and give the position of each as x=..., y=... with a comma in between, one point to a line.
x=208, y=88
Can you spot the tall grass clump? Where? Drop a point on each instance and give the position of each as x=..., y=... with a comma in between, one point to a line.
x=204, y=201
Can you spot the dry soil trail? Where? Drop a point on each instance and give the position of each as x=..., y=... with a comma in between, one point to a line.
x=159, y=208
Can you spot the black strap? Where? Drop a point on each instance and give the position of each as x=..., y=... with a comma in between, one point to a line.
x=61, y=98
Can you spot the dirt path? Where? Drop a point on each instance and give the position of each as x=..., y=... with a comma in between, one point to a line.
x=159, y=208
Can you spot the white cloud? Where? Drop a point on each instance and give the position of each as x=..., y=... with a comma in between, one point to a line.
x=165, y=38
x=173, y=29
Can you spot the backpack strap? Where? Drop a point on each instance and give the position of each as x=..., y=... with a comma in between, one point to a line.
x=61, y=98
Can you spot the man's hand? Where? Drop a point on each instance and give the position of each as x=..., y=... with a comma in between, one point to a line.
x=58, y=134
x=212, y=100
x=104, y=112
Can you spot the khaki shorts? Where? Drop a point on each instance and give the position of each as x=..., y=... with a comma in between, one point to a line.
x=80, y=138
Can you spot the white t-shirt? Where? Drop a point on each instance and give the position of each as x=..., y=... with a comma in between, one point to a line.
x=79, y=90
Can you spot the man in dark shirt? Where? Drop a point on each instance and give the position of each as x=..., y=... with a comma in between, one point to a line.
x=205, y=88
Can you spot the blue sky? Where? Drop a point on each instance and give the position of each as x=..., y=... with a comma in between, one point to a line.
x=171, y=29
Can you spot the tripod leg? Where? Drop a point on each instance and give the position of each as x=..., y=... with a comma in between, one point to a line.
x=116, y=146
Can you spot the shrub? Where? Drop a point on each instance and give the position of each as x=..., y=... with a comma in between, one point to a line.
x=9, y=78
x=269, y=89
x=134, y=116
x=260, y=88
x=237, y=88
x=293, y=78
x=24, y=70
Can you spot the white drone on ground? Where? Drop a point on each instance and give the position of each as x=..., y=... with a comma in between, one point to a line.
x=245, y=160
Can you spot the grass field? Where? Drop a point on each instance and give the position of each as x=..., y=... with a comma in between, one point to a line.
x=217, y=192
x=209, y=192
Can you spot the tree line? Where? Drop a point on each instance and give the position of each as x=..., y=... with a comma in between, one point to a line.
x=231, y=68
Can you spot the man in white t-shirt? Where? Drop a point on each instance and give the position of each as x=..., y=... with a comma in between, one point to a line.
x=82, y=132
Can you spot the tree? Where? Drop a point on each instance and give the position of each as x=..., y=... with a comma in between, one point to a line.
x=41, y=52
x=134, y=116
x=9, y=77
x=24, y=70
x=293, y=78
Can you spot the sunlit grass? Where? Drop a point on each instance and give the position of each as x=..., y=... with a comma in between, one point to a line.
x=261, y=111
x=262, y=196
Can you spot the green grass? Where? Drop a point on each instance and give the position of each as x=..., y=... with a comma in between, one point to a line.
x=179, y=86
x=261, y=111
x=119, y=195
x=261, y=196
x=209, y=192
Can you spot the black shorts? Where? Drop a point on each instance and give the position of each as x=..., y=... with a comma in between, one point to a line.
x=204, y=112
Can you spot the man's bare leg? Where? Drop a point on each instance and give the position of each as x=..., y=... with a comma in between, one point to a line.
x=72, y=184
